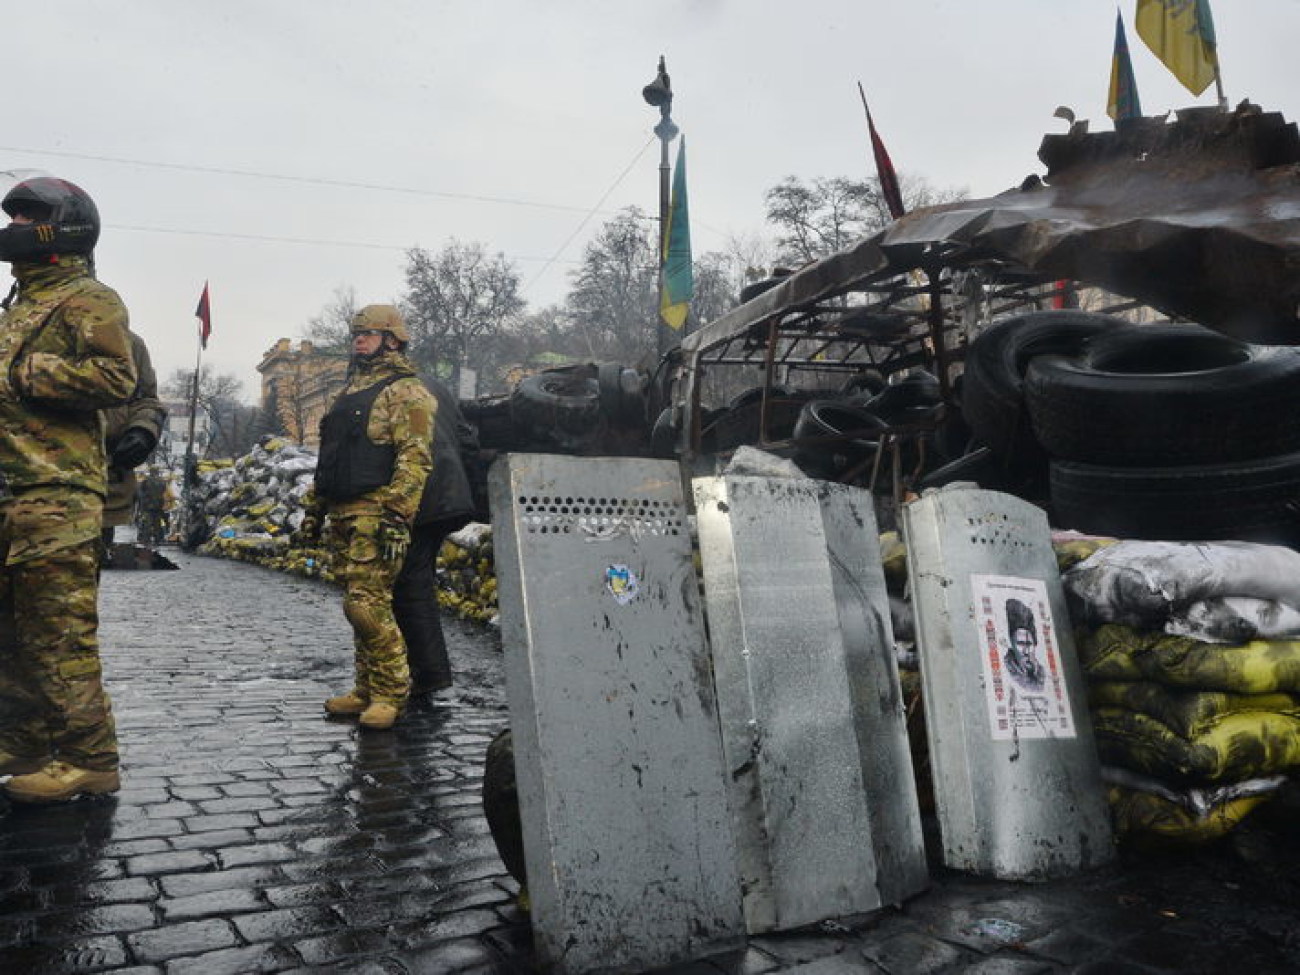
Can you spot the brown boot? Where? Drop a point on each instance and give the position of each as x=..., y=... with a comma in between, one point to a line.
x=21, y=764
x=350, y=704
x=59, y=782
x=380, y=715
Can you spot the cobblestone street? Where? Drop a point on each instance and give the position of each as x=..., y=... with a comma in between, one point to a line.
x=252, y=834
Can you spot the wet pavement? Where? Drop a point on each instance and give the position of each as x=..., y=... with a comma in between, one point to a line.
x=253, y=835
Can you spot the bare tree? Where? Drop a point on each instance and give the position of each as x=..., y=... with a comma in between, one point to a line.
x=818, y=217
x=234, y=425
x=330, y=328
x=613, y=304
x=459, y=303
x=718, y=281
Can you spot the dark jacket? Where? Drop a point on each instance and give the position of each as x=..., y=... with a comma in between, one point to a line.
x=447, y=494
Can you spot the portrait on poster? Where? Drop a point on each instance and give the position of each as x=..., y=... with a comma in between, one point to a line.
x=1024, y=683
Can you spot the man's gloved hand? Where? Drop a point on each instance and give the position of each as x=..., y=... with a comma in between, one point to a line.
x=306, y=535
x=132, y=448
x=394, y=537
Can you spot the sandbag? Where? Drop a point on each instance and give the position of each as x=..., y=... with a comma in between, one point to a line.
x=1188, y=713
x=1117, y=652
x=1235, y=619
x=1071, y=548
x=1144, y=819
x=1240, y=746
x=1142, y=583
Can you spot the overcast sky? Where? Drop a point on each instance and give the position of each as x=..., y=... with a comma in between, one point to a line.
x=283, y=149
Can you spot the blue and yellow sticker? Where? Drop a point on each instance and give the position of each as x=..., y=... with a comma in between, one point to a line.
x=622, y=583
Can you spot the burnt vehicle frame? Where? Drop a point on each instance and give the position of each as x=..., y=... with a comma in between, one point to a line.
x=1197, y=219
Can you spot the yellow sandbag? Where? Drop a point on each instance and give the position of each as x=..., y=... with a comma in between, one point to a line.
x=1143, y=818
x=1071, y=550
x=1239, y=746
x=893, y=555
x=1118, y=652
x=1188, y=713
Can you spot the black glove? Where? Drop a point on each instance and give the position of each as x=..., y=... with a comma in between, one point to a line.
x=132, y=448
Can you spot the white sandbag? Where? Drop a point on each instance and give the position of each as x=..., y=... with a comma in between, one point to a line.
x=1235, y=620
x=1143, y=583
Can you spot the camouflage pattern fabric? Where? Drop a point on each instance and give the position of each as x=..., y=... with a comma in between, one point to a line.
x=143, y=410
x=51, y=687
x=151, y=504
x=403, y=416
x=64, y=355
x=382, y=672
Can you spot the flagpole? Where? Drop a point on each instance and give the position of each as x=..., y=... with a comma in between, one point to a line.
x=189, y=473
x=659, y=94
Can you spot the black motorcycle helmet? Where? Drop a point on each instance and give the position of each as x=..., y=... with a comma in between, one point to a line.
x=64, y=219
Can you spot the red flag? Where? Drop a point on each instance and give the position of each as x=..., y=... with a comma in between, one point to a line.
x=204, y=313
x=889, y=187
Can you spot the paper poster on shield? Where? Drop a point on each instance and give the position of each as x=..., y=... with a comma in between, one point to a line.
x=1024, y=683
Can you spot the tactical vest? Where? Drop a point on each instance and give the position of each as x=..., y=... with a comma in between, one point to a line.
x=350, y=464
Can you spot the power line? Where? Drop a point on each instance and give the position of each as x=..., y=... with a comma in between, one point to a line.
x=310, y=180
x=270, y=238
x=582, y=223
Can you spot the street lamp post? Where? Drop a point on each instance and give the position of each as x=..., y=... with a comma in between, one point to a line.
x=659, y=94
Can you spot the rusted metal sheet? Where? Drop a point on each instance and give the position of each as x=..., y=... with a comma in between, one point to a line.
x=1199, y=218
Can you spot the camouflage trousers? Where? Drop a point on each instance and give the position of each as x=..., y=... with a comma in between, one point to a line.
x=52, y=697
x=367, y=579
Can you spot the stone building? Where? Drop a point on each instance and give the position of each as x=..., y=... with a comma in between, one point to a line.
x=299, y=384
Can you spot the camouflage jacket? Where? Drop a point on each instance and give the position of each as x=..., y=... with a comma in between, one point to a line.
x=402, y=416
x=143, y=410
x=64, y=355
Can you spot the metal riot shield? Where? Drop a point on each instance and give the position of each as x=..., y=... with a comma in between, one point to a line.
x=818, y=769
x=1017, y=783
x=629, y=854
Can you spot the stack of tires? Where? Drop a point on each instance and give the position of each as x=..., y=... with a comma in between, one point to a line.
x=839, y=438
x=1142, y=431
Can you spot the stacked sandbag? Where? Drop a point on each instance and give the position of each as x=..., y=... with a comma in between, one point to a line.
x=252, y=506
x=247, y=509
x=467, y=582
x=1192, y=656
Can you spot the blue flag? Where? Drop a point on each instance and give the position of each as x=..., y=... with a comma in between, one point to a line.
x=1123, y=102
x=678, y=270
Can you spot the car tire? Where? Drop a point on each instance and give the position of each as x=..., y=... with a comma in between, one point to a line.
x=992, y=399
x=855, y=432
x=1252, y=500
x=556, y=405
x=1158, y=395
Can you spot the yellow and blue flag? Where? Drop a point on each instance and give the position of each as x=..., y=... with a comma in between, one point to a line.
x=1181, y=34
x=678, y=271
x=1123, y=102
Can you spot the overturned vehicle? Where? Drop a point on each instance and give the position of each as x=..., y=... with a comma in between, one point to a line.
x=1109, y=340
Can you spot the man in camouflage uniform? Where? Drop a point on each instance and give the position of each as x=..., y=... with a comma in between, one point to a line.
x=130, y=435
x=374, y=461
x=64, y=356
x=151, y=504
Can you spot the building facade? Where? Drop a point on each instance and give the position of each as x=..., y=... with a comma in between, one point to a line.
x=298, y=386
